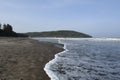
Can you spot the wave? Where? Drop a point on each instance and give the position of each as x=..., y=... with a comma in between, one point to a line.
x=90, y=48
x=49, y=39
x=50, y=73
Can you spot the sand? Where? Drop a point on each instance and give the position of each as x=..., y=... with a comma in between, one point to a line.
x=24, y=59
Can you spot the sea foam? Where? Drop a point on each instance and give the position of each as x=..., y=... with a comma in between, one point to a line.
x=86, y=59
x=50, y=73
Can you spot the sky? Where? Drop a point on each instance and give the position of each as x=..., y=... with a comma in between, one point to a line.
x=99, y=18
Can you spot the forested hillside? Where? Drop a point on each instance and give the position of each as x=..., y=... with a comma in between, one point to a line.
x=60, y=33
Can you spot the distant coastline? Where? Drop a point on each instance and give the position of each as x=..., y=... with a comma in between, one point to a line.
x=6, y=30
x=59, y=33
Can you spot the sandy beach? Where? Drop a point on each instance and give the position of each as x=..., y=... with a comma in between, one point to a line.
x=24, y=59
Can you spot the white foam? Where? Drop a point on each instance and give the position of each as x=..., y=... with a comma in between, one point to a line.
x=53, y=75
x=50, y=73
x=86, y=39
x=94, y=39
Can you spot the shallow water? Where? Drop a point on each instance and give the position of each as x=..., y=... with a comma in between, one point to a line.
x=86, y=59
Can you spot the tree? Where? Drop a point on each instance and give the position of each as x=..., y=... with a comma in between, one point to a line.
x=7, y=28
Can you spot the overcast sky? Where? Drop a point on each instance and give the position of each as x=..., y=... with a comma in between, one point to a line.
x=100, y=18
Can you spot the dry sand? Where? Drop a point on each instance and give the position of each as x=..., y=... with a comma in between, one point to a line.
x=24, y=59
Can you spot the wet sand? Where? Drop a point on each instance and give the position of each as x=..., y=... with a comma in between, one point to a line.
x=24, y=59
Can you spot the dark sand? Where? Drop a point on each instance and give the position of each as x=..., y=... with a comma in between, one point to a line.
x=24, y=59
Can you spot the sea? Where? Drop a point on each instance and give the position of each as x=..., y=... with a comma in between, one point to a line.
x=85, y=59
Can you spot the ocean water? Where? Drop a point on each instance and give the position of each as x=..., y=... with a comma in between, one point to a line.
x=47, y=39
x=86, y=59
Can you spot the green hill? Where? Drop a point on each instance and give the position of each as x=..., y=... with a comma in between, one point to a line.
x=60, y=33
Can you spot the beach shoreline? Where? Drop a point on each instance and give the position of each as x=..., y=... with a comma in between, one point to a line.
x=25, y=59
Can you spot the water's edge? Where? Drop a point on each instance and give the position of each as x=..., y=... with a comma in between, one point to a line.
x=88, y=62
x=51, y=75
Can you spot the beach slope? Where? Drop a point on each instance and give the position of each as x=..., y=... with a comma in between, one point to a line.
x=24, y=59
